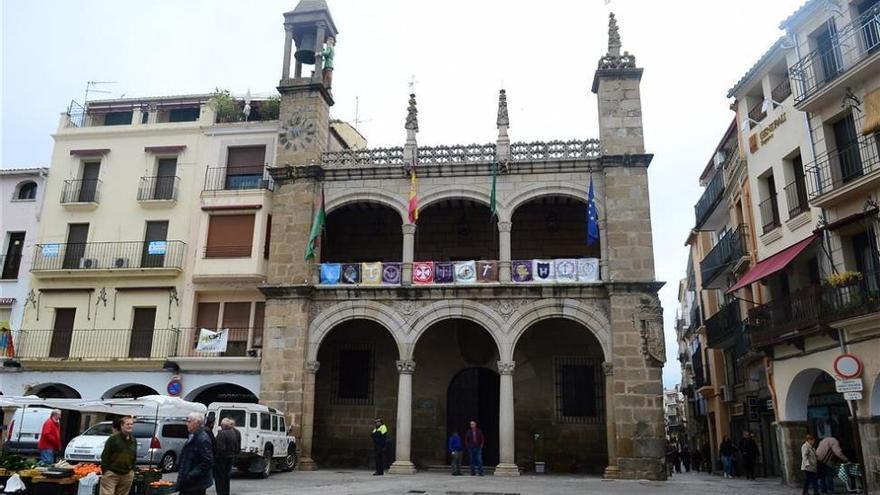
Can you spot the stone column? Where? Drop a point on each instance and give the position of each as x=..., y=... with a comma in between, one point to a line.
x=402, y=463
x=504, y=251
x=409, y=235
x=506, y=432
x=790, y=436
x=308, y=418
x=288, y=44
x=612, y=472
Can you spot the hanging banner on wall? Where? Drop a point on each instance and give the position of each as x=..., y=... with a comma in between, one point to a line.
x=566, y=270
x=542, y=271
x=391, y=273
x=371, y=273
x=423, y=272
x=465, y=272
x=521, y=271
x=351, y=273
x=330, y=273
x=588, y=269
x=212, y=341
x=487, y=271
x=444, y=272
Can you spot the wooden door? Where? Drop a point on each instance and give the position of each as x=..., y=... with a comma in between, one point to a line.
x=88, y=190
x=165, y=175
x=155, y=245
x=62, y=332
x=142, y=328
x=77, y=233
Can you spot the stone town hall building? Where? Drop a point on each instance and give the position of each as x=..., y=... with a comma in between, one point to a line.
x=560, y=368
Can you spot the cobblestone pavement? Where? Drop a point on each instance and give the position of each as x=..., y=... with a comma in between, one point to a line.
x=362, y=482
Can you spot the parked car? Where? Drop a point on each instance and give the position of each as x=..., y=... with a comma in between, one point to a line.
x=159, y=443
x=265, y=442
x=24, y=430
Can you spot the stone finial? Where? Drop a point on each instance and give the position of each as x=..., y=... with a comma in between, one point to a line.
x=412, y=119
x=613, y=36
x=503, y=119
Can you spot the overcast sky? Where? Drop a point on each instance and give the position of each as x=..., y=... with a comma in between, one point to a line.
x=461, y=53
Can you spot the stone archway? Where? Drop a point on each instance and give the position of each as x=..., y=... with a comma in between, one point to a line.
x=70, y=420
x=222, y=392
x=128, y=391
x=592, y=317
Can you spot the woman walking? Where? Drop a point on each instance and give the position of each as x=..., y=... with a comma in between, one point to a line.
x=809, y=465
x=727, y=452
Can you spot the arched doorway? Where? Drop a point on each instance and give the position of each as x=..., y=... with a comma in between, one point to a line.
x=473, y=395
x=222, y=392
x=454, y=383
x=815, y=405
x=129, y=391
x=70, y=420
x=356, y=382
x=551, y=227
x=362, y=232
x=560, y=398
x=456, y=230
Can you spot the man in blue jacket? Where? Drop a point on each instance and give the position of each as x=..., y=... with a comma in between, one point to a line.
x=196, y=464
x=454, y=445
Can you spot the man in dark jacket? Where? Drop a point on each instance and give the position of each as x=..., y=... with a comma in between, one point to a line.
x=474, y=441
x=196, y=458
x=380, y=438
x=748, y=448
x=228, y=446
x=118, y=459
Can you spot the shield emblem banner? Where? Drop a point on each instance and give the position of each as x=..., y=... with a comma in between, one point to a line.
x=466, y=272
x=351, y=273
x=521, y=271
x=371, y=273
x=444, y=273
x=487, y=271
x=391, y=273
x=423, y=272
x=330, y=273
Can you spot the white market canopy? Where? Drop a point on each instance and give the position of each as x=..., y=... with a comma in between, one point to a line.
x=147, y=406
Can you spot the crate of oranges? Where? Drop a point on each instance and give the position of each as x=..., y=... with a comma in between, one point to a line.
x=161, y=487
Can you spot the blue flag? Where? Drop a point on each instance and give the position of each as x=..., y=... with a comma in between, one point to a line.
x=592, y=217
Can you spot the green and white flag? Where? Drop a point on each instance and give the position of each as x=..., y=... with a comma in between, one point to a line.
x=317, y=227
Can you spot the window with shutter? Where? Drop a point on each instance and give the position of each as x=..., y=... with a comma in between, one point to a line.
x=230, y=236
x=244, y=167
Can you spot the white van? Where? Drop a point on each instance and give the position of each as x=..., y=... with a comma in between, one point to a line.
x=265, y=444
x=24, y=430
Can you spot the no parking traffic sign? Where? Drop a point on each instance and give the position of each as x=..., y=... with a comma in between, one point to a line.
x=848, y=366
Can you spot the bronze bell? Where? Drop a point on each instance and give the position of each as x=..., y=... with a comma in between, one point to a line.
x=305, y=46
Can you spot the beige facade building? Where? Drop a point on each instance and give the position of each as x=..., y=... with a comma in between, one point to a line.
x=388, y=320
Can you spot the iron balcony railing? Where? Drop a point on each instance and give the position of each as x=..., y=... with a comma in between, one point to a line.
x=849, y=46
x=710, y=198
x=769, y=209
x=696, y=317
x=109, y=255
x=729, y=248
x=757, y=113
x=96, y=344
x=238, y=179
x=701, y=378
x=782, y=90
x=240, y=342
x=835, y=169
x=81, y=191
x=161, y=188
x=796, y=197
x=810, y=310
x=10, y=264
x=723, y=326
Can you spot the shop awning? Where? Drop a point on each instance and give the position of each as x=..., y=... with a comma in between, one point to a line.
x=773, y=264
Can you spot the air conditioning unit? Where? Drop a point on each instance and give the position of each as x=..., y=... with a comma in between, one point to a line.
x=254, y=353
x=88, y=263
x=120, y=263
x=726, y=394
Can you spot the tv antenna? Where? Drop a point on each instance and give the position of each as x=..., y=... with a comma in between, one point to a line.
x=357, y=114
x=91, y=87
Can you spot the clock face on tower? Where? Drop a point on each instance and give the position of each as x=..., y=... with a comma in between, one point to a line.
x=297, y=132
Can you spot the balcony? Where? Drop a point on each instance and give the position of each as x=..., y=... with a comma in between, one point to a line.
x=710, y=198
x=241, y=342
x=696, y=318
x=769, y=209
x=81, y=194
x=88, y=258
x=724, y=256
x=96, y=344
x=238, y=179
x=757, y=113
x=839, y=172
x=160, y=190
x=724, y=326
x=701, y=378
x=823, y=72
x=10, y=264
x=796, y=197
x=782, y=90
x=809, y=311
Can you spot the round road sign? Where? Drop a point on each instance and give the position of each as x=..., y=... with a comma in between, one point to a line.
x=175, y=387
x=847, y=366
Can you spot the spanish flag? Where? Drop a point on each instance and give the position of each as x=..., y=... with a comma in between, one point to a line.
x=413, y=195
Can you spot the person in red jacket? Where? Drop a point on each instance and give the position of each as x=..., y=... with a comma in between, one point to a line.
x=474, y=442
x=50, y=438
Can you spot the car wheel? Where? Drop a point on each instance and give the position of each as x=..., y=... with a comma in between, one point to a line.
x=290, y=460
x=267, y=462
x=168, y=462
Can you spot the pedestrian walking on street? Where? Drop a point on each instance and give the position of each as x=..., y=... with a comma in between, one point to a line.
x=474, y=441
x=676, y=456
x=809, y=465
x=670, y=453
x=454, y=446
x=748, y=448
x=380, y=439
x=50, y=438
x=195, y=468
x=228, y=446
x=727, y=452
x=685, y=454
x=118, y=459
x=826, y=452
x=697, y=460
